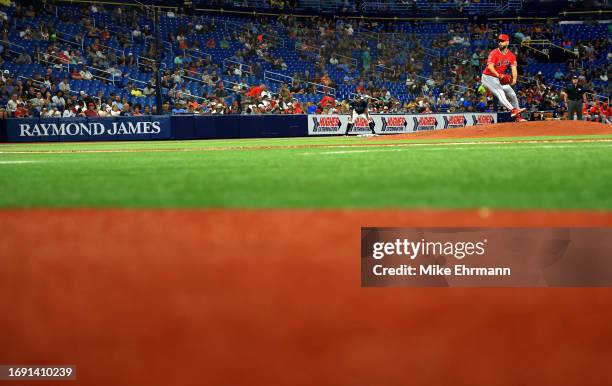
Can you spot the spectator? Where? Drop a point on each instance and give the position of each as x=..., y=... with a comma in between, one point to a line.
x=137, y=112
x=24, y=58
x=224, y=43
x=58, y=100
x=74, y=74
x=149, y=90
x=64, y=86
x=115, y=110
x=86, y=74
x=13, y=103
x=135, y=92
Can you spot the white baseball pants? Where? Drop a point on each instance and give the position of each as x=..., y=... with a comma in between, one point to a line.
x=504, y=92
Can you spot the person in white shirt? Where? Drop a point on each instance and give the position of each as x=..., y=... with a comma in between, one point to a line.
x=58, y=99
x=12, y=104
x=38, y=101
x=86, y=75
x=64, y=85
x=115, y=112
x=148, y=90
x=53, y=113
x=104, y=111
x=68, y=113
x=136, y=34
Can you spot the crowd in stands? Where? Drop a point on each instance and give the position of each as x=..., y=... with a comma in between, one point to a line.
x=400, y=71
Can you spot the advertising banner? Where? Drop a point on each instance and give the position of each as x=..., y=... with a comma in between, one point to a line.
x=397, y=123
x=327, y=124
x=84, y=129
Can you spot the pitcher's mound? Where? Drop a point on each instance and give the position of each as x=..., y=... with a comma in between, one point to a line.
x=511, y=129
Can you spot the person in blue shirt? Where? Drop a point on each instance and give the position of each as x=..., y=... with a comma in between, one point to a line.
x=179, y=108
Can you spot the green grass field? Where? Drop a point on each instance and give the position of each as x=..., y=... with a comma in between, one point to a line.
x=542, y=172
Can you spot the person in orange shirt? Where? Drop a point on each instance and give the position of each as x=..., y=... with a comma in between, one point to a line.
x=325, y=80
x=192, y=103
x=256, y=91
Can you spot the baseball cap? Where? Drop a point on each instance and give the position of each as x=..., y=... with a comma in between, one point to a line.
x=575, y=77
x=504, y=38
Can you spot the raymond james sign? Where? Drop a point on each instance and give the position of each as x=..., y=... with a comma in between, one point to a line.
x=486, y=257
x=89, y=129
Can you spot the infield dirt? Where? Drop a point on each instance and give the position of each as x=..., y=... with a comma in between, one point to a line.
x=511, y=129
x=273, y=297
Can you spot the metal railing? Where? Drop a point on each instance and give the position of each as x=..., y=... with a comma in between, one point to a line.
x=69, y=91
x=545, y=44
x=187, y=52
x=61, y=62
x=166, y=44
x=278, y=39
x=281, y=78
x=7, y=43
x=402, y=6
x=239, y=64
x=200, y=80
x=599, y=98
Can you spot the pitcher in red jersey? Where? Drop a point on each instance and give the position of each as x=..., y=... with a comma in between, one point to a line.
x=499, y=60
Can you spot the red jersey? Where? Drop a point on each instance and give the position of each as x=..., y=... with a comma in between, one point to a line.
x=500, y=61
x=255, y=91
x=328, y=101
x=91, y=113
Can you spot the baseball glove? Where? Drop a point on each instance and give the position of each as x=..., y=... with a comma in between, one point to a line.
x=505, y=79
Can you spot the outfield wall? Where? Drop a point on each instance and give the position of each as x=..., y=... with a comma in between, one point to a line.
x=165, y=127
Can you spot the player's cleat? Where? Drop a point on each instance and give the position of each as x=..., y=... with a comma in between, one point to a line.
x=349, y=126
x=516, y=112
x=519, y=119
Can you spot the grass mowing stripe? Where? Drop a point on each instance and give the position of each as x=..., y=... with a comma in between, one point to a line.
x=242, y=143
x=578, y=176
x=442, y=148
x=17, y=162
x=305, y=146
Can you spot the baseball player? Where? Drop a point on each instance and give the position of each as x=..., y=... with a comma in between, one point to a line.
x=359, y=108
x=605, y=113
x=499, y=83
